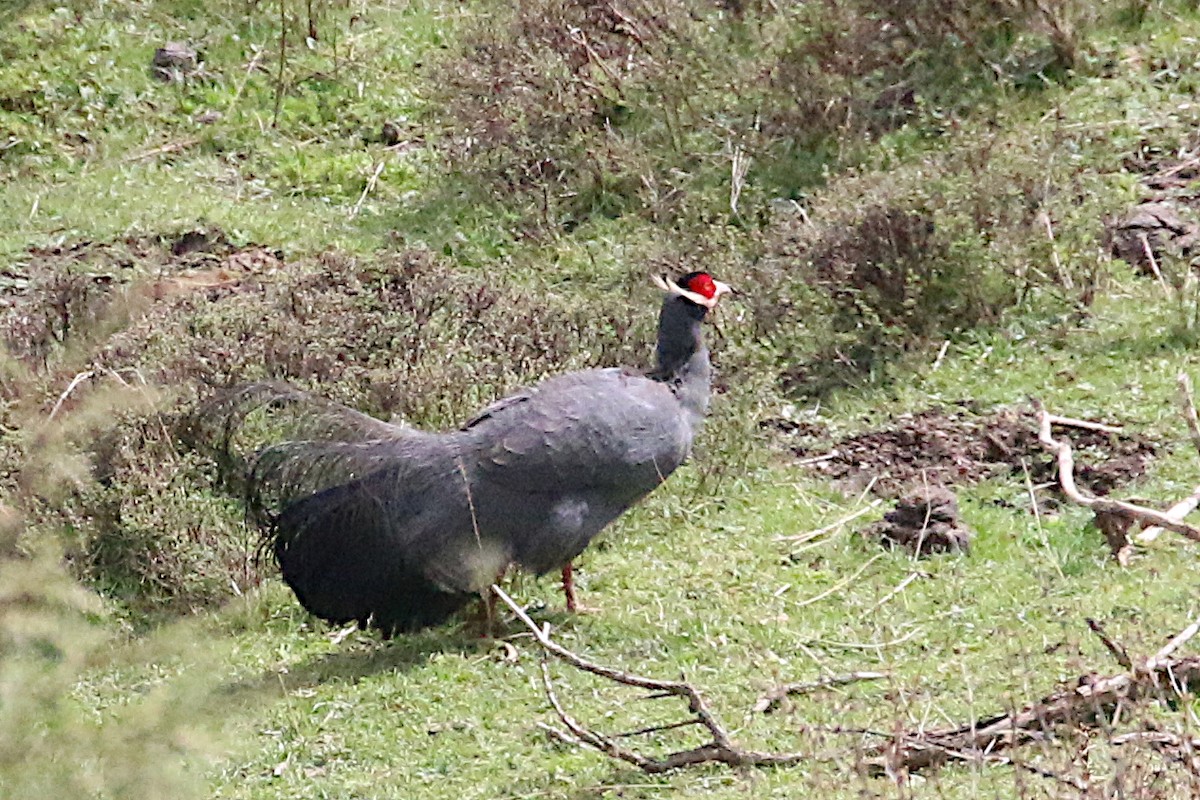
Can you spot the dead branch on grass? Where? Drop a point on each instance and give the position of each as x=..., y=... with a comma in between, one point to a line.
x=1090, y=703
x=721, y=749
x=772, y=699
x=1177, y=512
x=1083, y=424
x=1118, y=652
x=1102, y=505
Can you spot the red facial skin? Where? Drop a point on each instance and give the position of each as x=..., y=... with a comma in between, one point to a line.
x=702, y=285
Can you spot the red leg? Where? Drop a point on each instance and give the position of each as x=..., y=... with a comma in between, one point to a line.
x=568, y=585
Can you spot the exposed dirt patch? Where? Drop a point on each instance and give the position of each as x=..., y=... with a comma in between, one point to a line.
x=924, y=521
x=1153, y=235
x=954, y=446
x=54, y=293
x=1162, y=233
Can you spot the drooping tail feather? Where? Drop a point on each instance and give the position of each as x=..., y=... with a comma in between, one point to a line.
x=355, y=511
x=334, y=550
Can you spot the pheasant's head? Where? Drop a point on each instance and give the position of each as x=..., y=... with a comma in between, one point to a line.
x=697, y=287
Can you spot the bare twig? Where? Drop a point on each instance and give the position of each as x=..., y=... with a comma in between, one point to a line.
x=1037, y=518
x=367, y=189
x=171, y=147
x=62, y=398
x=739, y=166
x=803, y=462
x=941, y=354
x=1153, y=262
x=1177, y=512
x=1189, y=408
x=1066, y=478
x=1170, y=647
x=580, y=38
x=1117, y=651
x=1088, y=703
x=241, y=87
x=1064, y=277
x=1083, y=424
x=1188, y=504
x=866, y=645
x=721, y=749
x=773, y=698
x=912, y=576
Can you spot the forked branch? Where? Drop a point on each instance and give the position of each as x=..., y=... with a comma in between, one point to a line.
x=1102, y=505
x=1090, y=703
x=720, y=749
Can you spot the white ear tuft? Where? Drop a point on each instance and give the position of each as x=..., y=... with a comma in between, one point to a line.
x=670, y=287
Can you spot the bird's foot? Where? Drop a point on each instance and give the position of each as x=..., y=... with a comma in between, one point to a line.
x=568, y=585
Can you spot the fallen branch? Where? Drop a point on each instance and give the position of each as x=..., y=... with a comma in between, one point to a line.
x=721, y=749
x=172, y=147
x=1083, y=424
x=62, y=398
x=1118, y=652
x=1090, y=703
x=1102, y=505
x=775, y=697
x=1176, y=512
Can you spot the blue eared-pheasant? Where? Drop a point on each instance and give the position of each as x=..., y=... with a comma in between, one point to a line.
x=397, y=528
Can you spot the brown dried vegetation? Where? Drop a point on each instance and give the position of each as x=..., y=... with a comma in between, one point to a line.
x=637, y=106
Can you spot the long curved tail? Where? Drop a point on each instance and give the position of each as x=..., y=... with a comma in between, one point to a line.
x=365, y=519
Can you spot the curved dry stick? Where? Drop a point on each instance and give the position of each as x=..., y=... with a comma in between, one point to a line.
x=1066, y=479
x=720, y=750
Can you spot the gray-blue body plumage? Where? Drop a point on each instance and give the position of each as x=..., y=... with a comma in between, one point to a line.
x=397, y=528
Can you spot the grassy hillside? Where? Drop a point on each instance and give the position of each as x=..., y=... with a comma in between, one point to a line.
x=415, y=207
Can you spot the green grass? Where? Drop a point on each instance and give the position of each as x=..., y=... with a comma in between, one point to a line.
x=99, y=148
x=254, y=699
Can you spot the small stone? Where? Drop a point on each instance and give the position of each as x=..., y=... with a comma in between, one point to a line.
x=391, y=134
x=175, y=61
x=1153, y=229
x=208, y=117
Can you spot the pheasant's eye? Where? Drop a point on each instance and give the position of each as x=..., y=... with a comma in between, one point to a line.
x=702, y=284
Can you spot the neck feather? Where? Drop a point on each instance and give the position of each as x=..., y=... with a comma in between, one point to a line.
x=682, y=358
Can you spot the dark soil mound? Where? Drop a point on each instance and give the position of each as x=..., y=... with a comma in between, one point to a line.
x=953, y=446
x=924, y=521
x=55, y=294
